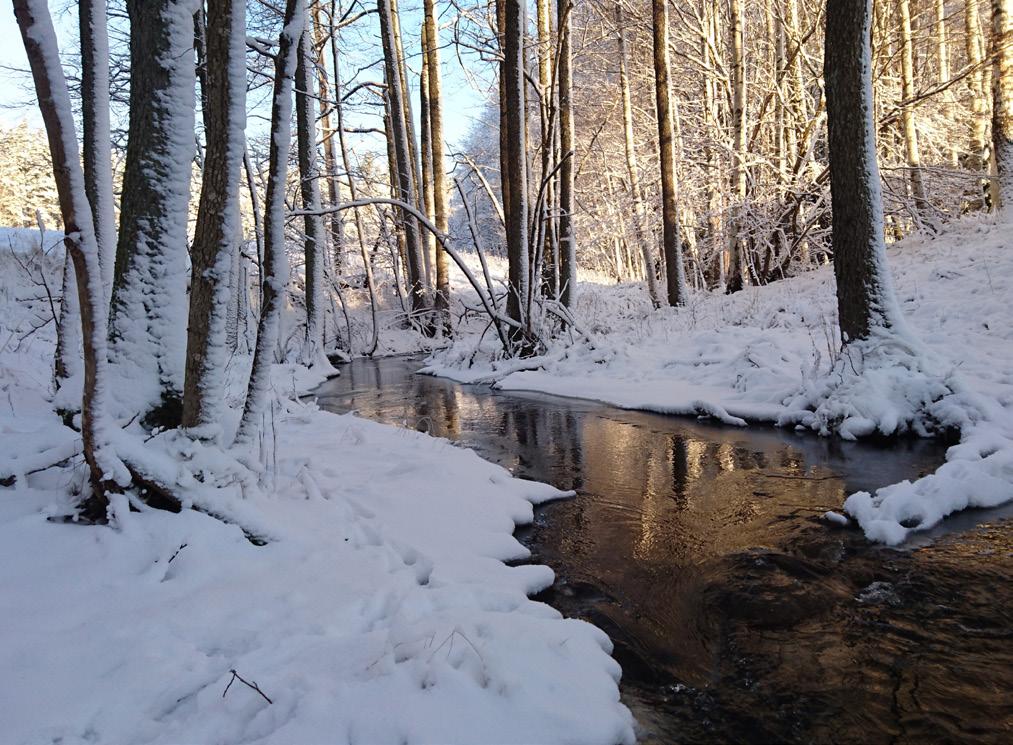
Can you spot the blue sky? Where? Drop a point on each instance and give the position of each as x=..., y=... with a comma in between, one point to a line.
x=462, y=106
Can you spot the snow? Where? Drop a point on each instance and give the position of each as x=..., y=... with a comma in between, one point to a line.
x=380, y=609
x=770, y=355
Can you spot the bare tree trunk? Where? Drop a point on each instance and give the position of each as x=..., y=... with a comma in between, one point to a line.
x=442, y=213
x=148, y=329
x=632, y=168
x=975, y=48
x=313, y=223
x=97, y=155
x=40, y=43
x=215, y=243
x=943, y=55
x=1002, y=102
x=567, y=239
x=737, y=270
x=547, y=130
x=274, y=275
x=911, y=148
x=674, y=271
x=337, y=226
x=67, y=364
x=425, y=138
x=406, y=175
x=865, y=297
x=515, y=189
x=709, y=45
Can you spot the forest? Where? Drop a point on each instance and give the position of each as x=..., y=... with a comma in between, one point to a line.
x=488, y=371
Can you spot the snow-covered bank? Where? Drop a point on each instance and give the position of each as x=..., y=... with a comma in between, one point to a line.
x=770, y=354
x=380, y=609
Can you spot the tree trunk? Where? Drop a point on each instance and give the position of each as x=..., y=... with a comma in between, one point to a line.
x=515, y=189
x=567, y=239
x=309, y=188
x=911, y=149
x=425, y=139
x=148, y=334
x=215, y=242
x=737, y=272
x=442, y=212
x=674, y=271
x=97, y=155
x=632, y=167
x=975, y=49
x=406, y=176
x=865, y=297
x=336, y=224
x=42, y=50
x=274, y=274
x=1002, y=101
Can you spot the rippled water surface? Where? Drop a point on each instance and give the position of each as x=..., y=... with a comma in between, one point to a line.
x=737, y=614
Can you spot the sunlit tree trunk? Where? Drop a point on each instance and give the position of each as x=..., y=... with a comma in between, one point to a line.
x=335, y=222
x=737, y=269
x=674, y=272
x=911, y=148
x=1002, y=101
x=567, y=201
x=515, y=186
x=439, y=178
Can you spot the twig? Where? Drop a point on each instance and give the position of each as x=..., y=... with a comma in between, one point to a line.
x=236, y=676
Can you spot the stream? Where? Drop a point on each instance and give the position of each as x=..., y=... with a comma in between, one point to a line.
x=737, y=613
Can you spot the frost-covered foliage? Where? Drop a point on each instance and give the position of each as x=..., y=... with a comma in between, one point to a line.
x=771, y=354
x=26, y=179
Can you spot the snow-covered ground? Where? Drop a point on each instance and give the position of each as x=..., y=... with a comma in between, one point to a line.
x=770, y=354
x=380, y=609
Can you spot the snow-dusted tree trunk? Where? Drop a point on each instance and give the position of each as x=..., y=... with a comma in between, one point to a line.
x=516, y=184
x=54, y=104
x=148, y=331
x=439, y=178
x=274, y=272
x=68, y=333
x=865, y=297
x=632, y=167
x=97, y=155
x=1002, y=99
x=674, y=271
x=309, y=188
x=547, y=131
x=567, y=168
x=215, y=243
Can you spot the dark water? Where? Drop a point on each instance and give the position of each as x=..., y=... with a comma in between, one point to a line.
x=738, y=615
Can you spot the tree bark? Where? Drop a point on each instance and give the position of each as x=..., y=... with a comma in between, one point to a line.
x=737, y=272
x=911, y=148
x=314, y=246
x=1002, y=101
x=674, y=271
x=148, y=334
x=40, y=43
x=439, y=181
x=975, y=49
x=274, y=273
x=97, y=138
x=215, y=244
x=865, y=297
x=515, y=189
x=335, y=222
x=406, y=176
x=567, y=196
